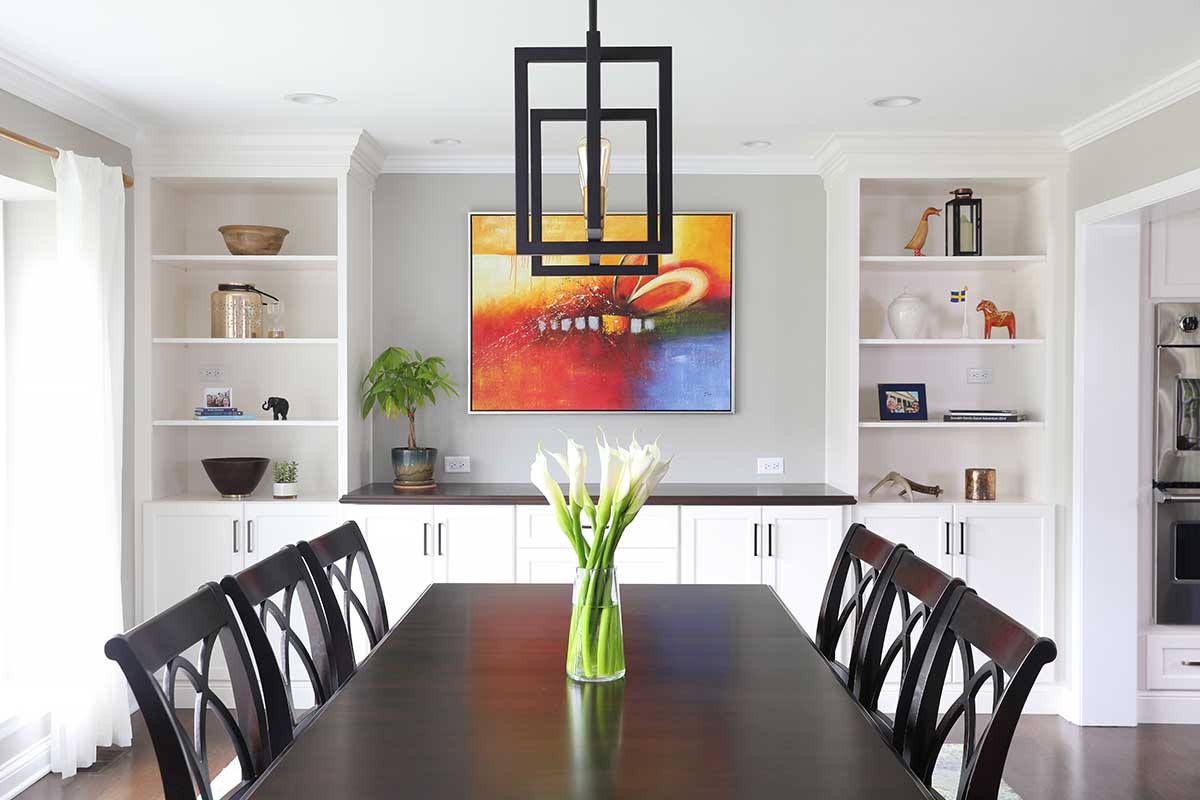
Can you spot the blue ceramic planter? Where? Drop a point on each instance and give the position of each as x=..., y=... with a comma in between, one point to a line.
x=413, y=466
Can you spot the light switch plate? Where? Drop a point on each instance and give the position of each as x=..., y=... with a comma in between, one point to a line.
x=212, y=371
x=458, y=463
x=979, y=375
x=772, y=465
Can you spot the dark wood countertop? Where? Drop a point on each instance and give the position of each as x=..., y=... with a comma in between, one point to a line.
x=667, y=494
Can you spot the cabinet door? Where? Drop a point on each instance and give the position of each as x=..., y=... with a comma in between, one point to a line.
x=186, y=545
x=1005, y=553
x=924, y=527
x=272, y=525
x=720, y=544
x=475, y=544
x=401, y=542
x=798, y=552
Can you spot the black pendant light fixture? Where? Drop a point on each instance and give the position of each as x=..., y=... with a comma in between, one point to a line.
x=595, y=156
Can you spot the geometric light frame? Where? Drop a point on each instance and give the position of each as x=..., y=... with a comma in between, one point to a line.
x=659, y=196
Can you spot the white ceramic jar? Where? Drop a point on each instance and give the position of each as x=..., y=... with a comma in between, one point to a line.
x=906, y=316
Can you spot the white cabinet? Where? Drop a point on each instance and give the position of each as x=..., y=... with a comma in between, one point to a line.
x=1004, y=551
x=648, y=553
x=403, y=547
x=186, y=544
x=475, y=544
x=789, y=548
x=1173, y=243
x=720, y=544
x=798, y=553
x=1173, y=661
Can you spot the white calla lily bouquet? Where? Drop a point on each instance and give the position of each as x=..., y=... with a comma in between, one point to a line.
x=595, y=649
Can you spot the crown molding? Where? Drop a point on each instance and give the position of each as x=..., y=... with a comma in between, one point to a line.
x=867, y=149
x=1155, y=97
x=567, y=165
x=332, y=151
x=80, y=106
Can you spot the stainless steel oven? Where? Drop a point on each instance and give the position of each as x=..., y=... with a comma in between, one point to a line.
x=1177, y=465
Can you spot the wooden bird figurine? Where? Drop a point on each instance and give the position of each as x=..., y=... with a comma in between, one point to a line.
x=918, y=239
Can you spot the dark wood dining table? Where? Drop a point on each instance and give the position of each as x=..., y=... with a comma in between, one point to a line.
x=725, y=696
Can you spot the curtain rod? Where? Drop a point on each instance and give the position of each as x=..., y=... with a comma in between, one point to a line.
x=33, y=144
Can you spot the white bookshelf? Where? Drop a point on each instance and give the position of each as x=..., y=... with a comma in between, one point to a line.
x=1016, y=273
x=322, y=195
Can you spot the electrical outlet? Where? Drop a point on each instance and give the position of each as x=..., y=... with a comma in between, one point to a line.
x=212, y=371
x=458, y=463
x=770, y=466
x=979, y=375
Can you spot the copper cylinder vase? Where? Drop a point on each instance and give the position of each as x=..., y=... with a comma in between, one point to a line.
x=980, y=483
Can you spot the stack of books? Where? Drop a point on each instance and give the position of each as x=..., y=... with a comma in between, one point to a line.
x=982, y=415
x=224, y=414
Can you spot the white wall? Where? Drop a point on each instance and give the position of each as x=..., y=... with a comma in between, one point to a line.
x=420, y=301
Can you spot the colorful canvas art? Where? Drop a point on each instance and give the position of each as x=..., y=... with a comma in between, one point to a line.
x=599, y=344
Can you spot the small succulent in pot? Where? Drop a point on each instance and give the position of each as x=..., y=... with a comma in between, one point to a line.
x=400, y=381
x=287, y=479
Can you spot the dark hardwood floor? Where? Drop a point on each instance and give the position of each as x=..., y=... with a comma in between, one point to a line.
x=1050, y=760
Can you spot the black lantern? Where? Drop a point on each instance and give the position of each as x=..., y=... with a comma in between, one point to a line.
x=964, y=224
x=595, y=154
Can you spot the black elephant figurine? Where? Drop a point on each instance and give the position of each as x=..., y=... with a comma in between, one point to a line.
x=278, y=405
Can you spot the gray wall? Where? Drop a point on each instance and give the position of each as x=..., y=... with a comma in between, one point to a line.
x=33, y=167
x=420, y=301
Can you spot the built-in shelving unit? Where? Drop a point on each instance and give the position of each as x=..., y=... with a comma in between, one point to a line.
x=1015, y=273
x=322, y=195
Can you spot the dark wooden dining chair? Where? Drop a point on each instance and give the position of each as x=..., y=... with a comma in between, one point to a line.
x=1015, y=658
x=161, y=642
x=915, y=595
x=253, y=592
x=335, y=556
x=859, y=547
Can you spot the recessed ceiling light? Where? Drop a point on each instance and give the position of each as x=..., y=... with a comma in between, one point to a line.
x=447, y=141
x=895, y=101
x=756, y=143
x=310, y=99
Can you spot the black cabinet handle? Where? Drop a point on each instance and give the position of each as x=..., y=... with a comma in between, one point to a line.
x=235, y=536
x=439, y=538
x=250, y=536
x=947, y=538
x=771, y=539
x=425, y=539
x=754, y=540
x=962, y=538
x=1190, y=663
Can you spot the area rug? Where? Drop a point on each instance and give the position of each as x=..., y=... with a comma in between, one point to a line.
x=947, y=770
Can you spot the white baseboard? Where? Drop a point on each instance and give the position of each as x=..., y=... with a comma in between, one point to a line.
x=1172, y=708
x=24, y=769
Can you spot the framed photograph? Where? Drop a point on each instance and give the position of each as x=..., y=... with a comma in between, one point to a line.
x=218, y=397
x=660, y=344
x=903, y=402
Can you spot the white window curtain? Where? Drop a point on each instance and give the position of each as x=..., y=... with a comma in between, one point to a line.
x=65, y=348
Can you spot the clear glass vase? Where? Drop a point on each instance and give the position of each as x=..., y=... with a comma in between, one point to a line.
x=595, y=642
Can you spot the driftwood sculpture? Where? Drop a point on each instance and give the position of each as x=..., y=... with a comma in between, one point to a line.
x=907, y=487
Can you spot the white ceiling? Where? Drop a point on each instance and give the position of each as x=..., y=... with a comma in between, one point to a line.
x=791, y=72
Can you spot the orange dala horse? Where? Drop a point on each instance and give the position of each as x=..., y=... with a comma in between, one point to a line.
x=996, y=319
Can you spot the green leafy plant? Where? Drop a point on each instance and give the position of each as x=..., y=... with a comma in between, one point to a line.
x=400, y=381
x=286, y=471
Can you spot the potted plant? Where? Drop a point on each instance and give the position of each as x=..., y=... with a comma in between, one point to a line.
x=400, y=381
x=287, y=481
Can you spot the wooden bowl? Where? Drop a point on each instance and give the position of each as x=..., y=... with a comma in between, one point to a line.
x=253, y=240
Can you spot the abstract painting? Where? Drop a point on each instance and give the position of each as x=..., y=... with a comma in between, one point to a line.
x=601, y=344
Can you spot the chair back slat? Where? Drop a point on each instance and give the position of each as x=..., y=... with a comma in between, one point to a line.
x=916, y=592
x=1015, y=658
x=253, y=592
x=333, y=558
x=859, y=547
x=160, y=643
